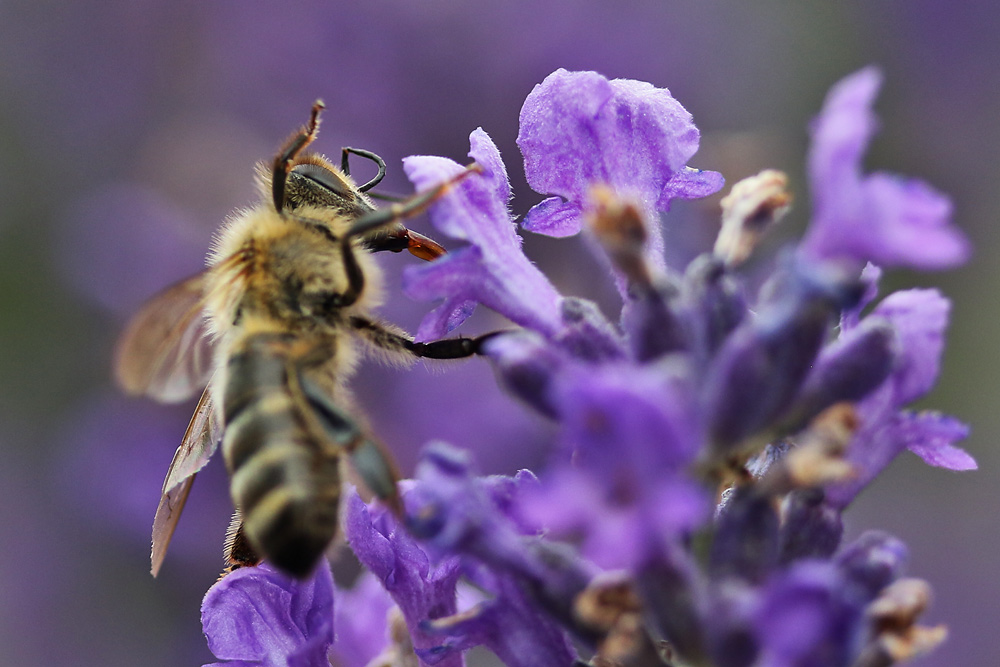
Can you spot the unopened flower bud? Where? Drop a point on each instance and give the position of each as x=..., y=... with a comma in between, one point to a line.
x=751, y=208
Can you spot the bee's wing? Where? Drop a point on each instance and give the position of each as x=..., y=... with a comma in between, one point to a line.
x=164, y=352
x=199, y=443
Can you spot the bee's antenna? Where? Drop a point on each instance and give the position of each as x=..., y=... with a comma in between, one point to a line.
x=368, y=155
x=409, y=207
x=419, y=245
x=290, y=151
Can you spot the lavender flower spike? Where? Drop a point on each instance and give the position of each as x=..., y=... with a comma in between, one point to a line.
x=880, y=218
x=579, y=129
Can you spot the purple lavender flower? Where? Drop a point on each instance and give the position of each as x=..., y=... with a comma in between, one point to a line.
x=919, y=318
x=469, y=533
x=704, y=390
x=630, y=432
x=880, y=218
x=421, y=589
x=361, y=621
x=709, y=376
x=493, y=268
x=579, y=128
x=259, y=616
x=477, y=519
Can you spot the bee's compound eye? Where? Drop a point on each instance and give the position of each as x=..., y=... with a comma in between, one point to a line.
x=324, y=178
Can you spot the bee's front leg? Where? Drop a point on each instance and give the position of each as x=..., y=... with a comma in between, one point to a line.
x=389, y=339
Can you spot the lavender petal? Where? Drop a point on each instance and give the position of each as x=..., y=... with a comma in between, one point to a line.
x=879, y=218
x=493, y=271
x=259, y=616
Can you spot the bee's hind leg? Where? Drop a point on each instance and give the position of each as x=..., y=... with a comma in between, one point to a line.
x=237, y=551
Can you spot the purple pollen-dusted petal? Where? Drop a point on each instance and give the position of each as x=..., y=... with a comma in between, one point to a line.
x=880, y=218
x=554, y=217
x=579, y=128
x=259, y=616
x=690, y=183
x=492, y=270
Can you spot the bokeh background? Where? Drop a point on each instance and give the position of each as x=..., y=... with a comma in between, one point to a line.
x=129, y=129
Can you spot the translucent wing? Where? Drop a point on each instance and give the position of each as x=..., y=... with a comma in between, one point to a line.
x=164, y=352
x=199, y=443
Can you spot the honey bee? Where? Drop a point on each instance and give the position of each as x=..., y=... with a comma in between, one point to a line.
x=271, y=330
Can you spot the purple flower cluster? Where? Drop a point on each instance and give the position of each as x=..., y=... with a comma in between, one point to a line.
x=708, y=441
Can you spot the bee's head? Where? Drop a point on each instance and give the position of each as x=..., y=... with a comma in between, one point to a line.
x=317, y=183
x=300, y=180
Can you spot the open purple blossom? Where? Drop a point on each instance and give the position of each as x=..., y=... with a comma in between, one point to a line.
x=919, y=318
x=579, y=128
x=492, y=270
x=259, y=616
x=882, y=218
x=470, y=531
x=630, y=431
x=492, y=267
x=707, y=446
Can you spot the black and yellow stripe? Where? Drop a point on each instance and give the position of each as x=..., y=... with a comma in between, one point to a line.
x=284, y=468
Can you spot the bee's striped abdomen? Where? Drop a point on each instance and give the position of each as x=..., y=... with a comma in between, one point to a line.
x=283, y=466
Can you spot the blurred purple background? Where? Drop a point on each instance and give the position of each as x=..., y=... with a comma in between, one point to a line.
x=128, y=130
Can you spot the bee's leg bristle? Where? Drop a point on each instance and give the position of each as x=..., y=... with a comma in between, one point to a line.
x=238, y=551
